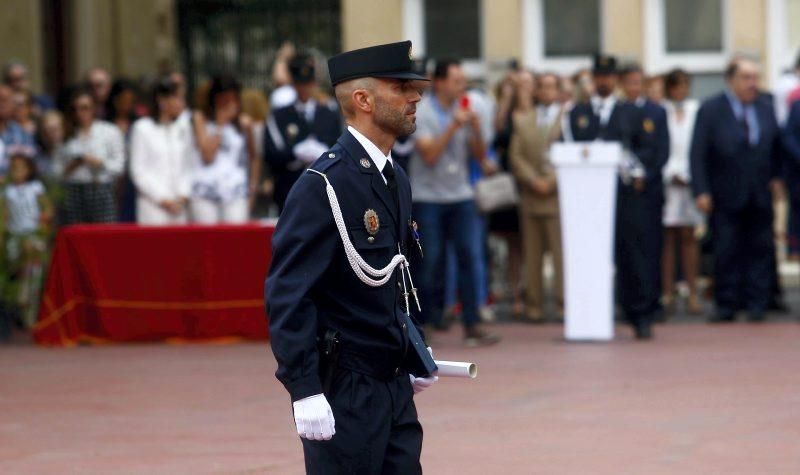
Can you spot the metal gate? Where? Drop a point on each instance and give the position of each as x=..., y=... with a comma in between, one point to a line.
x=242, y=36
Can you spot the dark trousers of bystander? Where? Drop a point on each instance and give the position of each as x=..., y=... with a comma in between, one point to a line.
x=440, y=224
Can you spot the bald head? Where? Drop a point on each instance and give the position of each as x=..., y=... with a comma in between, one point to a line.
x=743, y=75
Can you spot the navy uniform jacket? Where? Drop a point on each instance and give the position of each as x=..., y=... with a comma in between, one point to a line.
x=285, y=128
x=791, y=145
x=311, y=287
x=725, y=164
x=642, y=130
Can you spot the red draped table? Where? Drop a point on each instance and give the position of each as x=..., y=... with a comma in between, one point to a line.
x=115, y=283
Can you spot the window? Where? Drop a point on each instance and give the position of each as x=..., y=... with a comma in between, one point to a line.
x=561, y=35
x=452, y=29
x=243, y=36
x=690, y=34
x=697, y=32
x=447, y=29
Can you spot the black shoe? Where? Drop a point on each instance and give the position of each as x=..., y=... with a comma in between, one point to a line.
x=643, y=330
x=778, y=305
x=756, y=317
x=721, y=318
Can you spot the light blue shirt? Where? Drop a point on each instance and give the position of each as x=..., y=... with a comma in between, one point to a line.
x=741, y=110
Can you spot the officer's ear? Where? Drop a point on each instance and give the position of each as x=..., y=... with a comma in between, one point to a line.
x=363, y=100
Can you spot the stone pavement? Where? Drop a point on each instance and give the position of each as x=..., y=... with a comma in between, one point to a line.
x=698, y=399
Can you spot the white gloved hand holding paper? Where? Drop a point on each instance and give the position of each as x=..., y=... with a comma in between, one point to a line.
x=309, y=149
x=314, y=418
x=421, y=384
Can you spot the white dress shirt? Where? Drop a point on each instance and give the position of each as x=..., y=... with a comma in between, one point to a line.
x=603, y=107
x=375, y=154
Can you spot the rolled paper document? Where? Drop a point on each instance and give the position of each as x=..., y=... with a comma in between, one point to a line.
x=457, y=369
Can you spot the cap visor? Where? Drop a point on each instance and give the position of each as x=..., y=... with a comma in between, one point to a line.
x=400, y=75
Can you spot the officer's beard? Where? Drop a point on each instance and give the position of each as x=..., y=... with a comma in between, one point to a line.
x=397, y=123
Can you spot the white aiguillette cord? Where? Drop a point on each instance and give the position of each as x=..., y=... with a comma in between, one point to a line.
x=366, y=273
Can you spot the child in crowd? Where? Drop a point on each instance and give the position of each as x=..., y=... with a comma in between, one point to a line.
x=26, y=213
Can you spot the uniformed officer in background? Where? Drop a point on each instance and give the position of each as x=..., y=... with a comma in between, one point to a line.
x=343, y=347
x=607, y=118
x=652, y=150
x=298, y=134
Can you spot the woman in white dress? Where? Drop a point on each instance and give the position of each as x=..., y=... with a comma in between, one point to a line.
x=227, y=168
x=162, y=158
x=680, y=214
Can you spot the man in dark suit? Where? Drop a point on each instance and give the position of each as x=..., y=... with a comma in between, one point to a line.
x=735, y=162
x=319, y=294
x=605, y=117
x=298, y=134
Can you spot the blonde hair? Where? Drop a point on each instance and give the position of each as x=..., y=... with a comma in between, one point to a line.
x=255, y=104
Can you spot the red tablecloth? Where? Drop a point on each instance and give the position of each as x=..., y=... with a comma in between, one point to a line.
x=130, y=283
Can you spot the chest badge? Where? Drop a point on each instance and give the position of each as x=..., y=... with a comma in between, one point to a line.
x=365, y=163
x=292, y=130
x=648, y=126
x=372, y=222
x=583, y=121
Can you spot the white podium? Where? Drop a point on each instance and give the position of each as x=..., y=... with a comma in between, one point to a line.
x=587, y=192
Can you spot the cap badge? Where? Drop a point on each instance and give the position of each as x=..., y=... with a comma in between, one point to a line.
x=648, y=126
x=583, y=121
x=365, y=163
x=371, y=222
x=292, y=129
x=409, y=52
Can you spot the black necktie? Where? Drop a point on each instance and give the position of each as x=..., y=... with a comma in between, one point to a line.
x=391, y=182
x=746, y=126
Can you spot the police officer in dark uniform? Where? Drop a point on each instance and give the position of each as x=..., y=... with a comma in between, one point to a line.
x=348, y=352
x=605, y=117
x=652, y=149
x=297, y=134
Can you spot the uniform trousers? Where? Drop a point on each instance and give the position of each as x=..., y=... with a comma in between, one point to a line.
x=377, y=430
x=540, y=234
x=149, y=213
x=206, y=211
x=639, y=241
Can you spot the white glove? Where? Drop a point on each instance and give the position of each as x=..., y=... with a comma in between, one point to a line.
x=421, y=384
x=309, y=150
x=314, y=418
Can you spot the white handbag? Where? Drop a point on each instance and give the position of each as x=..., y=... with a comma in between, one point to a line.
x=496, y=192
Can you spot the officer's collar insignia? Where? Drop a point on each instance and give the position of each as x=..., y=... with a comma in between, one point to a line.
x=371, y=221
x=292, y=129
x=583, y=121
x=365, y=163
x=649, y=126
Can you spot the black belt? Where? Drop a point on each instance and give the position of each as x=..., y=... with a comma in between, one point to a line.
x=378, y=365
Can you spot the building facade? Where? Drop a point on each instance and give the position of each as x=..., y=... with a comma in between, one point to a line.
x=60, y=39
